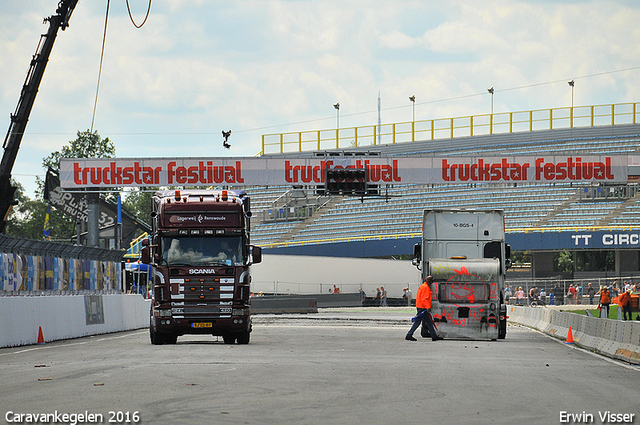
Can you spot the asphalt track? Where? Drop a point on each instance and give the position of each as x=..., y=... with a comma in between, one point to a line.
x=344, y=366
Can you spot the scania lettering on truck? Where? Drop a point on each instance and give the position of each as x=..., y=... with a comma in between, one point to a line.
x=200, y=251
x=465, y=253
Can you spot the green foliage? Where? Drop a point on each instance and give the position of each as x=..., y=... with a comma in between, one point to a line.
x=139, y=203
x=27, y=218
x=563, y=262
x=520, y=257
x=87, y=145
x=27, y=221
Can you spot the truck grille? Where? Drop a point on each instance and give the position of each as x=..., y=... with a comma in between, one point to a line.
x=206, y=297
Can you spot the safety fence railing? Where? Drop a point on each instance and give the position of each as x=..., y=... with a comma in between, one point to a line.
x=448, y=128
x=13, y=245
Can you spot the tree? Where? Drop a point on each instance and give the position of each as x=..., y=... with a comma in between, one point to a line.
x=87, y=145
x=563, y=262
x=139, y=203
x=27, y=218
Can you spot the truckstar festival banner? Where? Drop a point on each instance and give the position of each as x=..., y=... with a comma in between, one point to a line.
x=230, y=171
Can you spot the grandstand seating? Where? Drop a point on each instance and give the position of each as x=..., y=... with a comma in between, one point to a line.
x=526, y=205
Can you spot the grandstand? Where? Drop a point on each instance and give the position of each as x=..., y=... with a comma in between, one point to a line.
x=527, y=206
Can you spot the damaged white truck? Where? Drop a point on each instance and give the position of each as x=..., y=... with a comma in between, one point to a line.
x=466, y=254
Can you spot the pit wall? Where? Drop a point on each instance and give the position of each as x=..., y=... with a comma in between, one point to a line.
x=613, y=338
x=70, y=316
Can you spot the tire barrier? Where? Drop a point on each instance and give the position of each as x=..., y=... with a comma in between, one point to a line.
x=613, y=338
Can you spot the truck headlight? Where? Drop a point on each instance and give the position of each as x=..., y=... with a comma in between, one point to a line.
x=163, y=313
x=240, y=311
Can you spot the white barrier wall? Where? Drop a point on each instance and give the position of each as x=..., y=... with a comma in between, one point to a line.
x=70, y=316
x=614, y=338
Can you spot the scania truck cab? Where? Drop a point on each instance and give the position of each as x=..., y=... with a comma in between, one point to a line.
x=200, y=251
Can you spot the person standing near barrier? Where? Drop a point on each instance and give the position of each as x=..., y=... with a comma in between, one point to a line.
x=591, y=292
x=520, y=296
x=423, y=316
x=579, y=293
x=507, y=293
x=605, y=300
x=407, y=295
x=558, y=295
x=532, y=294
x=383, y=297
x=624, y=301
x=376, y=300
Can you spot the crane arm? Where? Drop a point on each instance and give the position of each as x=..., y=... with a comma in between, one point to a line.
x=28, y=94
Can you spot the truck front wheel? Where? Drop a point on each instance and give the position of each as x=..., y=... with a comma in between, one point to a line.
x=243, y=338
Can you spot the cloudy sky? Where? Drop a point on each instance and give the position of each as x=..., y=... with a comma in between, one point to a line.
x=198, y=67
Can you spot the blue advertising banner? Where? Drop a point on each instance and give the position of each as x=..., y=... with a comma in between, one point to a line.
x=574, y=240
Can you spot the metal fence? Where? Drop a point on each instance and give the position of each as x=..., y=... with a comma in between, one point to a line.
x=13, y=245
x=548, y=284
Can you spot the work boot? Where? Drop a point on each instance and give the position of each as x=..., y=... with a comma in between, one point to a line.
x=410, y=338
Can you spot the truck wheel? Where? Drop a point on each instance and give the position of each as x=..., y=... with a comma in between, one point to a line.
x=502, y=330
x=243, y=338
x=156, y=339
x=171, y=339
x=229, y=338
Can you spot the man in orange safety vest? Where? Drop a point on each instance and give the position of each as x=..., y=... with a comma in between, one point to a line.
x=423, y=305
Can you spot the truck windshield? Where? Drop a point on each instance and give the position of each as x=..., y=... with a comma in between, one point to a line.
x=202, y=251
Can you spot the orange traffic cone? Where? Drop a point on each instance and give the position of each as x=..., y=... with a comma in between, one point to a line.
x=569, y=337
x=40, y=336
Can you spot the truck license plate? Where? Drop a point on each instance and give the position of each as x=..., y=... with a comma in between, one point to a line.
x=202, y=325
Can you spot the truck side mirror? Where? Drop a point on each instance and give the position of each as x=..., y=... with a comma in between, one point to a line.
x=145, y=255
x=417, y=254
x=256, y=254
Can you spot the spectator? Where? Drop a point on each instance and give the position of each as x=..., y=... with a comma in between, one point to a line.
x=579, y=293
x=542, y=296
x=532, y=294
x=558, y=295
x=376, y=300
x=571, y=295
x=520, y=296
x=614, y=289
x=591, y=292
x=383, y=297
x=507, y=293
x=628, y=286
x=407, y=295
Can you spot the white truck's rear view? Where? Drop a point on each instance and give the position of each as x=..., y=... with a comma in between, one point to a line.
x=465, y=253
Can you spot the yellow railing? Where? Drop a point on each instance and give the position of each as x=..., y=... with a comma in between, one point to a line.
x=417, y=235
x=448, y=128
x=135, y=246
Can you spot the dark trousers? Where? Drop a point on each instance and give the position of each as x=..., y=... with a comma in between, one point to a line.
x=627, y=310
x=427, y=321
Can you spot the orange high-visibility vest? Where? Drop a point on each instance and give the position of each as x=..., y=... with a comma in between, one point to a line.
x=423, y=297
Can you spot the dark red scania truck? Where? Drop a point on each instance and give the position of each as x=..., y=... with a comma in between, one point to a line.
x=200, y=251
